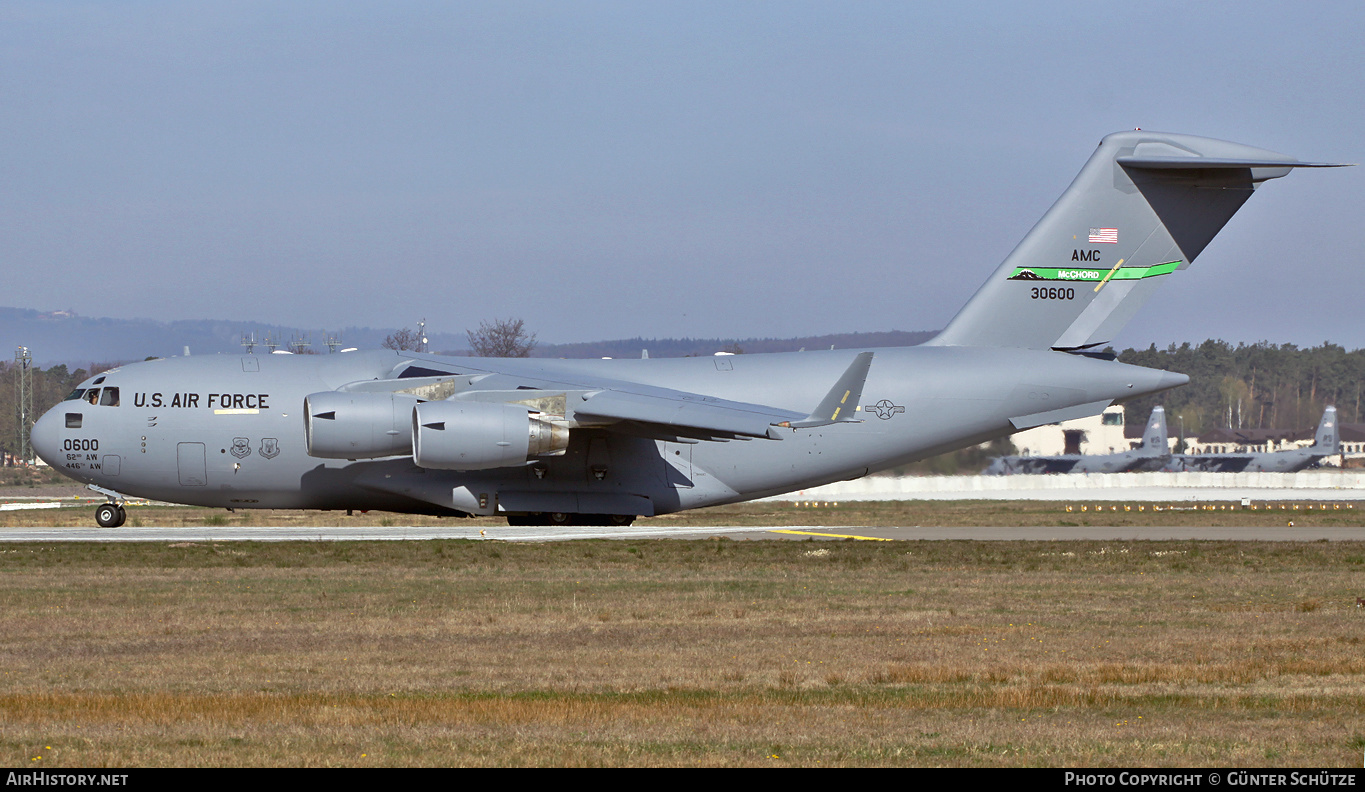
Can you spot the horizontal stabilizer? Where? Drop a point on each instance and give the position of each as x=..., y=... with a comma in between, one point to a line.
x=1202, y=163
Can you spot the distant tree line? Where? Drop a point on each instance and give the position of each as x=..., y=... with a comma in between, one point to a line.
x=1252, y=386
x=49, y=387
x=1248, y=386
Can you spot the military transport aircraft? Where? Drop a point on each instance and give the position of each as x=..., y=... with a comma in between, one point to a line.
x=1153, y=454
x=604, y=441
x=1326, y=442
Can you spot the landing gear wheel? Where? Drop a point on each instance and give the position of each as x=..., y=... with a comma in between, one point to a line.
x=622, y=519
x=559, y=518
x=110, y=515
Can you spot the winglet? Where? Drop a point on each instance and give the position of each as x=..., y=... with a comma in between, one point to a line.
x=839, y=404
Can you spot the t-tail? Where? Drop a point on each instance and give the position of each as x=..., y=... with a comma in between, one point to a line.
x=1327, y=440
x=1155, y=439
x=1145, y=205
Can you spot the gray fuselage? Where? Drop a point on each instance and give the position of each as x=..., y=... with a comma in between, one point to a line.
x=228, y=431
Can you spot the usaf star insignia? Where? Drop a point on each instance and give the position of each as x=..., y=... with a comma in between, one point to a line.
x=884, y=409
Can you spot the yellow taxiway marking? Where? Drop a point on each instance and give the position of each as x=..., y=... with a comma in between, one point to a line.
x=835, y=536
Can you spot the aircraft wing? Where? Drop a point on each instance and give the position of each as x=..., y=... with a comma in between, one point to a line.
x=689, y=413
x=627, y=407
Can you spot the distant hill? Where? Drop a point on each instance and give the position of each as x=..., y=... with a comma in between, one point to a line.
x=63, y=337
x=77, y=341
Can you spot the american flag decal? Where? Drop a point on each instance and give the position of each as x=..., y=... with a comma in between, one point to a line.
x=1110, y=235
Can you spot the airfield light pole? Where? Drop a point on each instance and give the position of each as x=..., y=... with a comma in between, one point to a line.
x=23, y=364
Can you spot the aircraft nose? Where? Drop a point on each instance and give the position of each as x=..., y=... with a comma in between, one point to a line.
x=46, y=436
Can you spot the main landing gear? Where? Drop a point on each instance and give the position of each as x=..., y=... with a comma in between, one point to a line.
x=565, y=518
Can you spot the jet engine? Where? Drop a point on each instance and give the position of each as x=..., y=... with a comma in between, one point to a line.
x=461, y=435
x=341, y=425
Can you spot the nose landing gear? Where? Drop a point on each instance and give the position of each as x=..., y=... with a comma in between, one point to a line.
x=111, y=514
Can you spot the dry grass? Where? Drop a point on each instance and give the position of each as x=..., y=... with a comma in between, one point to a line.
x=670, y=653
x=869, y=513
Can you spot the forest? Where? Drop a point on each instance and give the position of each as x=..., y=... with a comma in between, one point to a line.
x=1252, y=386
x=49, y=386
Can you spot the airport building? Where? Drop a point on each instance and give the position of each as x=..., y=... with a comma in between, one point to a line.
x=1111, y=433
x=1098, y=434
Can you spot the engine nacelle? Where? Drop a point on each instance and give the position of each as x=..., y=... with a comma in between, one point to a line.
x=461, y=435
x=341, y=425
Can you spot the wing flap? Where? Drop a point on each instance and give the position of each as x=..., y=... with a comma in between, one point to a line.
x=689, y=412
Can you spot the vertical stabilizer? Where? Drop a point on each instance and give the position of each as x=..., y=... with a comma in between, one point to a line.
x=1145, y=205
x=1155, y=439
x=1327, y=441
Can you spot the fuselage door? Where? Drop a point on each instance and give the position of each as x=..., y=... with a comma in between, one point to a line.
x=190, y=459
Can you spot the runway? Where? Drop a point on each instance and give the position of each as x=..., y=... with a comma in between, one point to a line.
x=739, y=533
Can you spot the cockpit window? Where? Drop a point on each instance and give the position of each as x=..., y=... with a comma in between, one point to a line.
x=98, y=381
x=93, y=395
x=109, y=398
x=75, y=394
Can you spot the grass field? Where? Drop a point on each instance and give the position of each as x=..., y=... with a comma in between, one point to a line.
x=686, y=653
x=865, y=513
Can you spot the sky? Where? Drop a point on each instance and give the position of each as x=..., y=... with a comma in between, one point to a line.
x=655, y=169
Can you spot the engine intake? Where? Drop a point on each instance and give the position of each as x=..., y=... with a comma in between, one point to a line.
x=358, y=425
x=460, y=435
